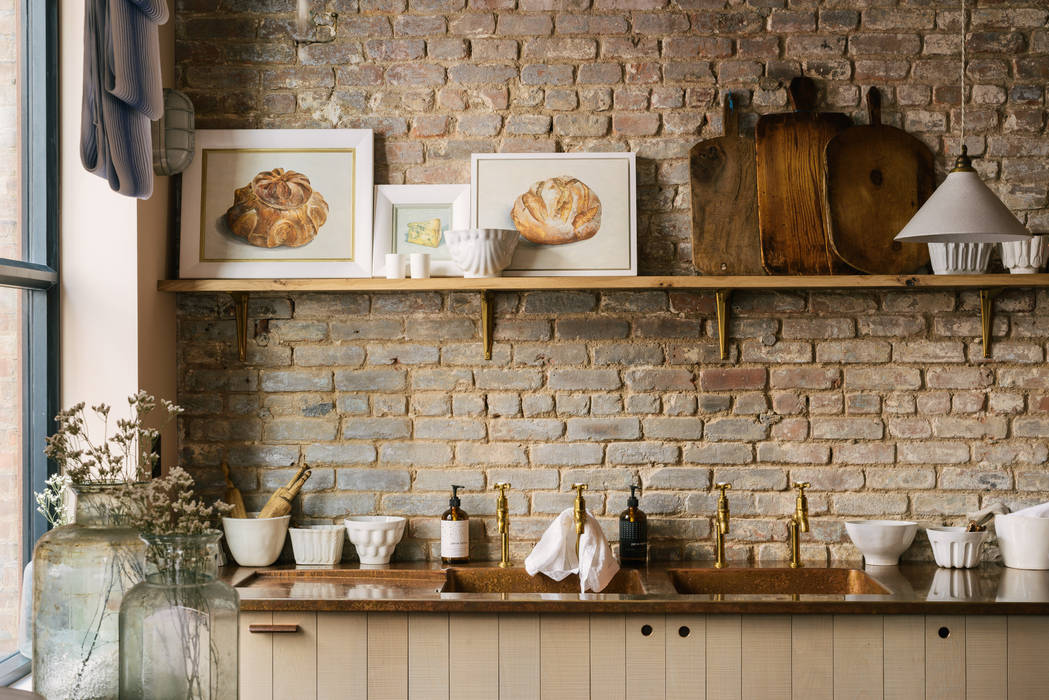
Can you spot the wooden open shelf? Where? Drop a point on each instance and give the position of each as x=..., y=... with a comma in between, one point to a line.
x=518, y=284
x=988, y=286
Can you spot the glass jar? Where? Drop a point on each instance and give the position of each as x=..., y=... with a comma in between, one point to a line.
x=80, y=575
x=178, y=627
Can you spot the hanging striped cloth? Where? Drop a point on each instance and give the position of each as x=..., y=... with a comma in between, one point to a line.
x=122, y=91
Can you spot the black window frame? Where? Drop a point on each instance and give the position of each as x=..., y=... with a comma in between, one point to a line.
x=37, y=272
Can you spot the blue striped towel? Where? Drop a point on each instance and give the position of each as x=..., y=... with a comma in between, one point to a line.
x=122, y=91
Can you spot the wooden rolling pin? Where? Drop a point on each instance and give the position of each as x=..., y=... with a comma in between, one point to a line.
x=233, y=496
x=280, y=502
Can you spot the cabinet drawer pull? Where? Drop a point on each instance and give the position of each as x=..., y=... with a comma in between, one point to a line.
x=273, y=629
x=646, y=630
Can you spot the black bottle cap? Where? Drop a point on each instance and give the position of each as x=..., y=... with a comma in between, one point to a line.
x=632, y=501
x=454, y=500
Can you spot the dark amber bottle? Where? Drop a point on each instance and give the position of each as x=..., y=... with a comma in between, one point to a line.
x=455, y=531
x=633, y=533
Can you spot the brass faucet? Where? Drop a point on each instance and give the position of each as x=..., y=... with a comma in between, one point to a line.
x=799, y=523
x=502, y=514
x=721, y=526
x=579, y=513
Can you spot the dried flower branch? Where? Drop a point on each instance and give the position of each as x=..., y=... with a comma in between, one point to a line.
x=51, y=502
x=127, y=455
x=168, y=506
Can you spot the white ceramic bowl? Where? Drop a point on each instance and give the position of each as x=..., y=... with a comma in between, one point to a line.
x=1026, y=257
x=482, y=252
x=1024, y=541
x=375, y=536
x=881, y=541
x=256, y=541
x=317, y=545
x=960, y=258
x=956, y=548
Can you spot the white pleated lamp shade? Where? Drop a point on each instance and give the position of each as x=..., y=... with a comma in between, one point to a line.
x=964, y=210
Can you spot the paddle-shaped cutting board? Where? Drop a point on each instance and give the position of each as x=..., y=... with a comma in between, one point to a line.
x=790, y=153
x=724, y=202
x=877, y=178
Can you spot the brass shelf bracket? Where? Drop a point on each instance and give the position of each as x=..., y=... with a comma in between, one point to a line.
x=240, y=313
x=722, y=299
x=987, y=318
x=487, y=322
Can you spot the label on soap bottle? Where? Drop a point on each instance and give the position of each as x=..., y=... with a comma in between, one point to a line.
x=455, y=539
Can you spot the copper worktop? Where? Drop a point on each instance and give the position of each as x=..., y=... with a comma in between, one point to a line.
x=912, y=589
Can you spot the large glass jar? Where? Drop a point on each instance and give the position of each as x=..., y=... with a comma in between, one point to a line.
x=178, y=628
x=80, y=575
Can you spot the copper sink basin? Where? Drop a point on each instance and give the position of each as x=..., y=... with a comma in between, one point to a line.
x=517, y=580
x=774, y=582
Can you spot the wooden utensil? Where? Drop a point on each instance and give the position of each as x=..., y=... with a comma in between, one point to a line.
x=233, y=496
x=724, y=202
x=790, y=152
x=280, y=502
x=877, y=177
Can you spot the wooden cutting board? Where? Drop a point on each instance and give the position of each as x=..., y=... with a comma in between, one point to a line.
x=725, y=202
x=790, y=169
x=877, y=178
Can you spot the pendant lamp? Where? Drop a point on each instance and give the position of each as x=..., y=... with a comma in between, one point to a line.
x=963, y=209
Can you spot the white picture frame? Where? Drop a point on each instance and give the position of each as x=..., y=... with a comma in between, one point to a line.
x=498, y=179
x=340, y=165
x=450, y=202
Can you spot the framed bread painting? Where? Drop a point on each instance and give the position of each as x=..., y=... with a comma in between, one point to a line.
x=413, y=218
x=278, y=203
x=576, y=212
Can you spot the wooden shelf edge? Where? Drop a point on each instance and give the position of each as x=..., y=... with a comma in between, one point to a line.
x=514, y=284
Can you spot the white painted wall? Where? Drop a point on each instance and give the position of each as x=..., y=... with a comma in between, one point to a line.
x=117, y=331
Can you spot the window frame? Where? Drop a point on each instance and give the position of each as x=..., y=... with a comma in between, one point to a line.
x=37, y=272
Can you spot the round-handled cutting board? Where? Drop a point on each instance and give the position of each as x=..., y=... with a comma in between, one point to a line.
x=724, y=202
x=877, y=178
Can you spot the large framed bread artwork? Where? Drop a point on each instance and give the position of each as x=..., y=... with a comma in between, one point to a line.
x=278, y=203
x=576, y=212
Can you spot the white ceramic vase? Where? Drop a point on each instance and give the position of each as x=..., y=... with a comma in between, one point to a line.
x=482, y=252
x=1026, y=257
x=960, y=258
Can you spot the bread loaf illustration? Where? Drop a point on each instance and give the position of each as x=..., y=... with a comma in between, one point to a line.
x=558, y=210
x=279, y=207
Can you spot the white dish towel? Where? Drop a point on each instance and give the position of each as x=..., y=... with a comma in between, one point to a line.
x=554, y=555
x=1039, y=511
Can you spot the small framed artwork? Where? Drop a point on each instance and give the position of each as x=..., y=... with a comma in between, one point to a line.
x=278, y=203
x=576, y=212
x=413, y=219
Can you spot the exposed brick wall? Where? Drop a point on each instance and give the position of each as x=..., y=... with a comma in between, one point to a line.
x=441, y=79
x=880, y=400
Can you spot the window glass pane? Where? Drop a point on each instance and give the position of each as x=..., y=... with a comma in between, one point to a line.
x=11, y=506
x=10, y=159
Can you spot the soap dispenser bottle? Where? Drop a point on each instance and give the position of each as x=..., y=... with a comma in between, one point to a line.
x=455, y=531
x=633, y=533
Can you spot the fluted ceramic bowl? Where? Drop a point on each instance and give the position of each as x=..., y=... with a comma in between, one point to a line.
x=955, y=547
x=1026, y=257
x=482, y=252
x=960, y=258
x=317, y=545
x=375, y=536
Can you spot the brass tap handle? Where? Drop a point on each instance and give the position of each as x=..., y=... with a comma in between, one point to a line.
x=502, y=512
x=579, y=510
x=724, y=487
x=502, y=506
x=801, y=486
